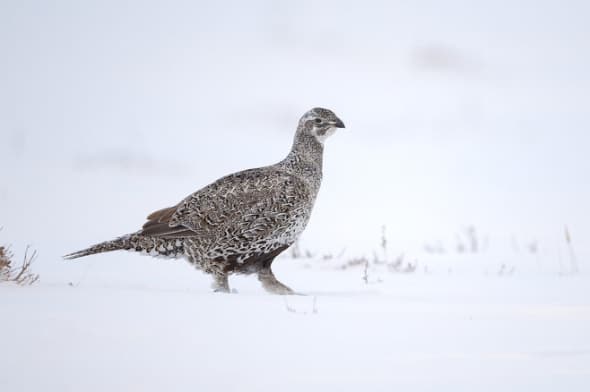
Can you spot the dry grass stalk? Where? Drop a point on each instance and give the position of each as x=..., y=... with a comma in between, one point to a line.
x=572, y=254
x=20, y=275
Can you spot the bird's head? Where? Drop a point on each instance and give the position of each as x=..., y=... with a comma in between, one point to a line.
x=321, y=123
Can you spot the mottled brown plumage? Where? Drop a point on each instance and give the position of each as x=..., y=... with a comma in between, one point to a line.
x=241, y=222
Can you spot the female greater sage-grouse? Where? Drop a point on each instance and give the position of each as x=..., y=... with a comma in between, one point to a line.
x=241, y=222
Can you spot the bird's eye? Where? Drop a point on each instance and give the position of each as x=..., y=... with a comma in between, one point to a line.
x=318, y=120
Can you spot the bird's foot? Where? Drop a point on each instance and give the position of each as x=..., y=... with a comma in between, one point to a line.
x=220, y=284
x=272, y=285
x=278, y=288
x=225, y=290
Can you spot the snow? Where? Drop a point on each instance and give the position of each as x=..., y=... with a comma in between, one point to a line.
x=411, y=331
x=467, y=139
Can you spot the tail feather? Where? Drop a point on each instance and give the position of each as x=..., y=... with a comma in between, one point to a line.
x=121, y=243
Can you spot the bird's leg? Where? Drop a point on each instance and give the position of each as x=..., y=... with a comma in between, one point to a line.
x=271, y=284
x=220, y=283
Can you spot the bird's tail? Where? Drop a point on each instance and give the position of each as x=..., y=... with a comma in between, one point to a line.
x=121, y=243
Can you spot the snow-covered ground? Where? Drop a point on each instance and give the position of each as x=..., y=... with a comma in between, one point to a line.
x=467, y=139
x=410, y=331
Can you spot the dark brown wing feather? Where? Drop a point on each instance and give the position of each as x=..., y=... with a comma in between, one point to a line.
x=162, y=215
x=158, y=225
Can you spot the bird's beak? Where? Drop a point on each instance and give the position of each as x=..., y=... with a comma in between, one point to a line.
x=338, y=123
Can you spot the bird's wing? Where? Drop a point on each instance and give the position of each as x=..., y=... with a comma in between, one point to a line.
x=158, y=225
x=252, y=204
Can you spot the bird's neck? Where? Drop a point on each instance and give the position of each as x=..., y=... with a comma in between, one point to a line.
x=305, y=158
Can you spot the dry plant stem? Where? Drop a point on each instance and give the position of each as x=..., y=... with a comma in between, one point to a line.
x=5, y=260
x=572, y=254
x=314, y=309
x=366, y=272
x=21, y=275
x=24, y=274
x=384, y=242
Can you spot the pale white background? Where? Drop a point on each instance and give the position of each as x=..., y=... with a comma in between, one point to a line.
x=458, y=113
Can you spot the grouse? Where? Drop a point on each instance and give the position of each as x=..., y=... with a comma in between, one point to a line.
x=241, y=222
